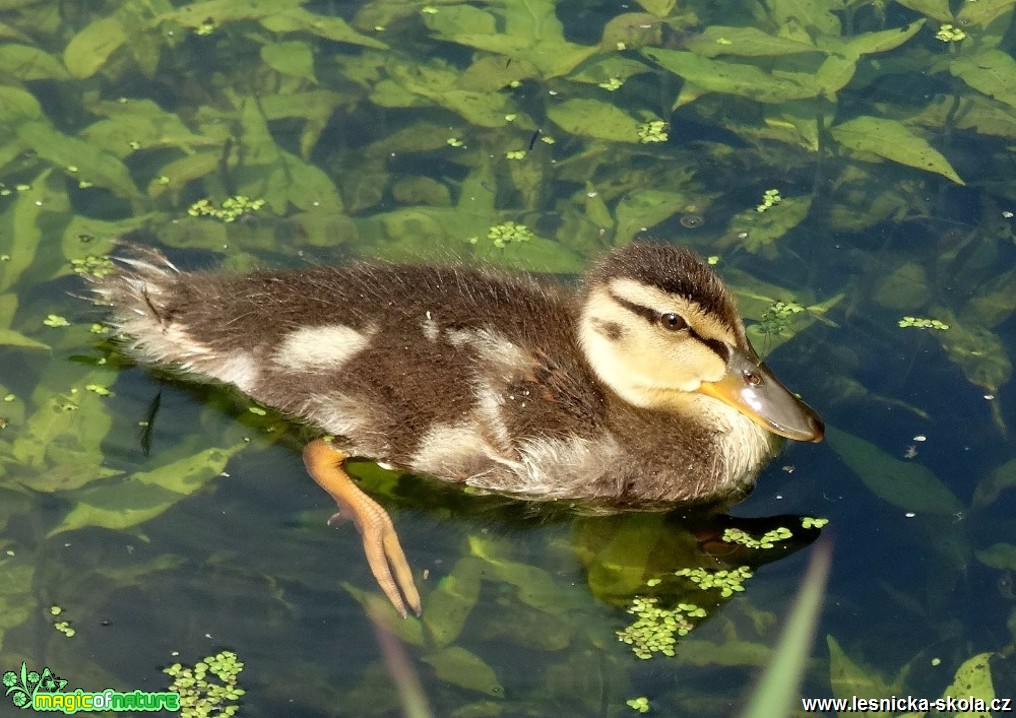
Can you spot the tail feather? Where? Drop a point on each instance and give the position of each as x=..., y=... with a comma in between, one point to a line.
x=142, y=293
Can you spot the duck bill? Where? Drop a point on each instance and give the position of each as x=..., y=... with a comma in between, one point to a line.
x=749, y=387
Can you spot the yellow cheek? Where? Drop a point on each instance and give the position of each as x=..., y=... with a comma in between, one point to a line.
x=681, y=365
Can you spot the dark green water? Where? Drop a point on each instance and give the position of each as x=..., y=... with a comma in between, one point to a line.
x=169, y=522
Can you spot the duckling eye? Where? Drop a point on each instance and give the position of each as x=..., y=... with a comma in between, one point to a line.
x=673, y=322
x=752, y=378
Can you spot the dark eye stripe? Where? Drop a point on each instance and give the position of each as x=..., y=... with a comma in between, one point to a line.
x=644, y=312
x=651, y=315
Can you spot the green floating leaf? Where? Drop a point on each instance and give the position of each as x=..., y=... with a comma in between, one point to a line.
x=17, y=598
x=983, y=12
x=937, y=9
x=732, y=652
x=592, y=118
x=893, y=141
x=218, y=12
x=30, y=63
x=380, y=610
x=995, y=301
x=146, y=494
x=1001, y=556
x=536, y=587
x=804, y=19
x=906, y=288
x=869, y=43
x=741, y=79
x=450, y=604
x=761, y=230
x=9, y=336
x=973, y=680
x=992, y=72
x=98, y=167
x=20, y=230
x=329, y=27
x=529, y=30
x=85, y=237
x=314, y=107
x=989, y=489
x=536, y=255
x=659, y=8
x=977, y=351
x=59, y=443
x=455, y=20
x=606, y=68
x=461, y=668
x=293, y=58
x=183, y=170
x=17, y=104
x=12, y=338
x=848, y=678
x=645, y=208
x=902, y=483
x=719, y=40
x=94, y=44
x=142, y=124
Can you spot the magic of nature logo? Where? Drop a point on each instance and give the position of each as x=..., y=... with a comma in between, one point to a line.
x=44, y=691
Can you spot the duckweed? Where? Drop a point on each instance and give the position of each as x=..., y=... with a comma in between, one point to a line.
x=726, y=582
x=770, y=198
x=652, y=131
x=656, y=629
x=501, y=235
x=923, y=323
x=809, y=522
x=640, y=704
x=766, y=541
x=55, y=321
x=231, y=210
x=200, y=696
x=778, y=317
x=93, y=266
x=949, y=33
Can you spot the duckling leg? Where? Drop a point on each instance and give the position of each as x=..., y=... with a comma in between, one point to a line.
x=380, y=542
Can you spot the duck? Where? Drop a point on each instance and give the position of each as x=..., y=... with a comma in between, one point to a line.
x=637, y=390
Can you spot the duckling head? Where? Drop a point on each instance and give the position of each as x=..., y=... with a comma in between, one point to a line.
x=661, y=330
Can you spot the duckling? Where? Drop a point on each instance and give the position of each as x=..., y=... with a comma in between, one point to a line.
x=639, y=391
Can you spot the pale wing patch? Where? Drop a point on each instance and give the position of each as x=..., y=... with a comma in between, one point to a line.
x=337, y=414
x=496, y=352
x=452, y=450
x=238, y=370
x=172, y=344
x=488, y=413
x=550, y=469
x=430, y=328
x=320, y=348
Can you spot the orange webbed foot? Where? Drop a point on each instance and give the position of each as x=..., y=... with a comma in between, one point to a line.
x=380, y=542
